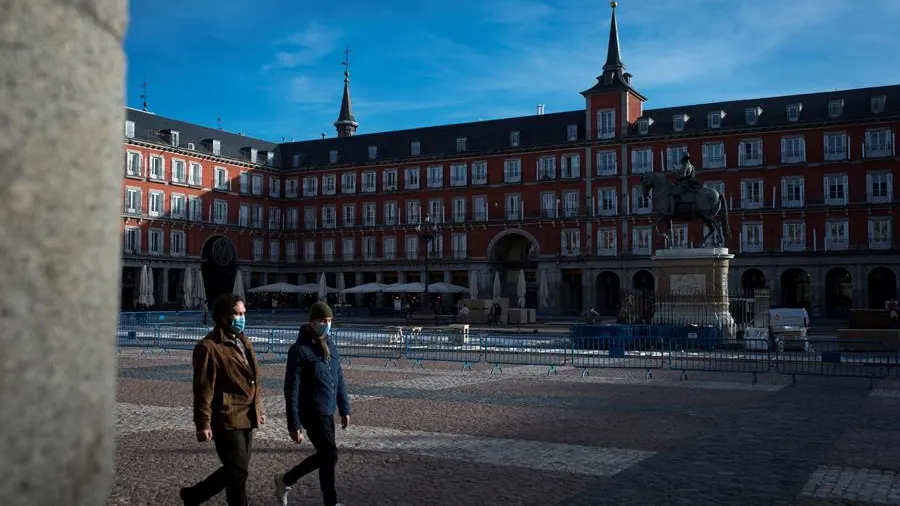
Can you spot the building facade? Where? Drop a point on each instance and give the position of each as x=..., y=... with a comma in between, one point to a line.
x=808, y=180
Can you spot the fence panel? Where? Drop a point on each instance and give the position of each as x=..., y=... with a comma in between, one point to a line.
x=385, y=344
x=179, y=337
x=701, y=355
x=624, y=347
x=275, y=342
x=834, y=358
x=161, y=317
x=133, y=335
x=443, y=346
x=531, y=349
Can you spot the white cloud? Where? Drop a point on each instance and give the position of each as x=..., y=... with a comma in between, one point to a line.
x=306, y=47
x=309, y=91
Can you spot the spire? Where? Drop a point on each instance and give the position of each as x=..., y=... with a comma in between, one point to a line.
x=613, y=53
x=346, y=124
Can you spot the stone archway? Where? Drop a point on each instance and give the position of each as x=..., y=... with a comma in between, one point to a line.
x=881, y=286
x=643, y=296
x=796, y=286
x=512, y=251
x=838, y=292
x=219, y=266
x=608, y=289
x=752, y=280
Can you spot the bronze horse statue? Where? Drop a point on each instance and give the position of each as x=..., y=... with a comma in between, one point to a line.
x=703, y=204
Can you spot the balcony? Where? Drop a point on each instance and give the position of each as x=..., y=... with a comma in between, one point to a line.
x=458, y=181
x=878, y=150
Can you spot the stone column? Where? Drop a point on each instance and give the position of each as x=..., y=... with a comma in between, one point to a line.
x=164, y=296
x=379, y=297
x=360, y=297
x=62, y=117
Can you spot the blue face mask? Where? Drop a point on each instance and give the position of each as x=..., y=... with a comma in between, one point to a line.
x=237, y=324
x=322, y=328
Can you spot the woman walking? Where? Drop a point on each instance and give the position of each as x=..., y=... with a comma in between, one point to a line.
x=314, y=388
x=227, y=402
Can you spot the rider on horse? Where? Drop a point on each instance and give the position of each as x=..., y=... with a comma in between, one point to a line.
x=688, y=178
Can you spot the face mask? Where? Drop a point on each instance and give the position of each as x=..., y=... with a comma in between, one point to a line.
x=322, y=328
x=237, y=323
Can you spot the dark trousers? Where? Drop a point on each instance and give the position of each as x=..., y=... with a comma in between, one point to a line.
x=233, y=448
x=320, y=430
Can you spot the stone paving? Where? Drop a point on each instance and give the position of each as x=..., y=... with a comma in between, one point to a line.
x=442, y=436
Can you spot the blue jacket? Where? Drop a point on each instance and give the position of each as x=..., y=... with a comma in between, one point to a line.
x=312, y=385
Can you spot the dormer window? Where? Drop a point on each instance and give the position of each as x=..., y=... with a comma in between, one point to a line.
x=174, y=138
x=296, y=160
x=514, y=139
x=678, y=122
x=373, y=152
x=216, y=147
x=751, y=115
x=835, y=108
x=129, y=129
x=270, y=158
x=415, y=148
x=460, y=144
x=332, y=156
x=876, y=103
x=644, y=125
x=793, y=111
x=714, y=120
x=572, y=132
x=253, y=155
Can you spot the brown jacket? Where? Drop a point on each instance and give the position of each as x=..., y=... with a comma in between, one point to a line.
x=226, y=388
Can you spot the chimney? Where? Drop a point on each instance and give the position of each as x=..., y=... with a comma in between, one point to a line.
x=540, y=109
x=323, y=135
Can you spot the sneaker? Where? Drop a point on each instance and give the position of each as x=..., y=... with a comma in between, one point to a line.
x=183, y=494
x=281, y=490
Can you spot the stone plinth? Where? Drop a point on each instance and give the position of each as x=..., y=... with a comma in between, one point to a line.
x=692, y=287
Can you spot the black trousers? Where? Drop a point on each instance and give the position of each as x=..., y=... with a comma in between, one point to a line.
x=320, y=430
x=233, y=448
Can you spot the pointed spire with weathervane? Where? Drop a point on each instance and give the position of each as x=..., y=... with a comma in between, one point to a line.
x=346, y=124
x=614, y=75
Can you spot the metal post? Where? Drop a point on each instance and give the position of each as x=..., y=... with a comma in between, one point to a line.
x=427, y=233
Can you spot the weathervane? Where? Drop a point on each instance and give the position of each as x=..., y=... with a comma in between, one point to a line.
x=144, y=94
x=346, y=62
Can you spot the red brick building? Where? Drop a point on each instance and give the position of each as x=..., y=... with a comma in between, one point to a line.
x=808, y=178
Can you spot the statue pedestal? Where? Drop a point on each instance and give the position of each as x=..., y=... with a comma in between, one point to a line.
x=692, y=288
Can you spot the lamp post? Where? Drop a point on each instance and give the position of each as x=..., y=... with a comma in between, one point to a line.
x=427, y=231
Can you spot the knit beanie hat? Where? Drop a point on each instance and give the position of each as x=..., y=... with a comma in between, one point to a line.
x=320, y=310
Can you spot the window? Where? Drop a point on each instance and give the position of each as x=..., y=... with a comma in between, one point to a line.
x=293, y=219
x=373, y=152
x=880, y=232
x=751, y=115
x=458, y=174
x=459, y=209
x=411, y=247
x=329, y=184
x=879, y=143
x=572, y=132
x=157, y=170
x=270, y=158
x=133, y=201
x=309, y=251
x=290, y=186
x=606, y=163
x=132, y=240
x=792, y=191
x=512, y=171
x=876, y=103
x=435, y=176
x=195, y=206
x=674, y=154
x=157, y=203
x=835, y=108
x=606, y=242
x=879, y=187
x=411, y=180
x=216, y=147
x=549, y=205
x=644, y=126
x=349, y=211
x=678, y=122
x=714, y=120
x=514, y=207
x=329, y=217
x=460, y=144
x=348, y=249
x=413, y=212
x=570, y=243
x=195, y=174
x=570, y=166
x=640, y=202
x=258, y=212
x=244, y=183
x=134, y=164
x=253, y=155
x=793, y=150
x=389, y=180
x=155, y=241
x=129, y=129
x=222, y=181
x=836, y=236
x=244, y=215
x=369, y=217
x=275, y=186
x=546, y=168
x=479, y=208
x=333, y=156
x=713, y=155
x=836, y=189
x=328, y=250
x=256, y=184
x=290, y=250
x=177, y=243
x=570, y=204
x=178, y=206
x=793, y=112
x=390, y=214
x=415, y=148
x=606, y=124
x=793, y=236
x=389, y=248
x=606, y=202
x=436, y=210
x=348, y=182
x=296, y=160
x=220, y=212
x=750, y=153
x=641, y=161
x=836, y=146
x=751, y=193
x=479, y=173
x=751, y=237
x=369, y=181
x=276, y=220
x=436, y=247
x=310, y=221
x=514, y=139
x=679, y=236
x=368, y=248
x=640, y=240
x=257, y=249
x=459, y=243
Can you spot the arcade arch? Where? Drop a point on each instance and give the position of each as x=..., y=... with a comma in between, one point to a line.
x=838, y=292
x=219, y=266
x=796, y=286
x=752, y=280
x=509, y=252
x=881, y=286
x=609, y=290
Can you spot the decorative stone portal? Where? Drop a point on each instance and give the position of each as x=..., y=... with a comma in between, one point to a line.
x=692, y=287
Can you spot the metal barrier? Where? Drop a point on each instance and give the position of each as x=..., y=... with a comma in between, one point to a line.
x=618, y=352
x=754, y=358
x=160, y=317
x=847, y=359
x=443, y=346
x=540, y=350
x=385, y=344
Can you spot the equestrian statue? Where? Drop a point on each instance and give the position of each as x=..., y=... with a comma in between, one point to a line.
x=686, y=199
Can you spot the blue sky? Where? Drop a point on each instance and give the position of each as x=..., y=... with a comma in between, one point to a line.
x=272, y=68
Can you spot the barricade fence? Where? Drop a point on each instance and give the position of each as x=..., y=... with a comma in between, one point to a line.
x=647, y=348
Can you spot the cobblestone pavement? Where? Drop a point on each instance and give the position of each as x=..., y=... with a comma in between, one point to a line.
x=442, y=436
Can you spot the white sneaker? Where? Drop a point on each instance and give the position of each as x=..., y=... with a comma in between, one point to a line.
x=281, y=490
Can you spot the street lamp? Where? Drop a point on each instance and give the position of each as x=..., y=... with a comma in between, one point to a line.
x=428, y=232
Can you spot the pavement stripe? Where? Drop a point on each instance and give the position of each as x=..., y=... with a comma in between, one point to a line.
x=707, y=385
x=852, y=484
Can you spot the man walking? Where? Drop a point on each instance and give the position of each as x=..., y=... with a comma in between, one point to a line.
x=314, y=388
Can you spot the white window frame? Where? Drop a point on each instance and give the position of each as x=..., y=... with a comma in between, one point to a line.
x=157, y=246
x=460, y=144
x=607, y=201
x=572, y=132
x=435, y=176
x=514, y=139
x=460, y=244
x=458, y=208
x=793, y=149
x=173, y=211
x=881, y=232
x=638, y=159
x=607, y=163
x=290, y=187
x=131, y=240
x=545, y=168
x=840, y=150
x=607, y=242
x=789, y=182
x=195, y=174
x=570, y=204
x=348, y=215
x=290, y=250
x=793, y=236
x=480, y=208
x=176, y=162
x=710, y=158
x=755, y=147
x=674, y=154
x=606, y=124
x=219, y=212
x=329, y=216
x=570, y=242
x=413, y=212
x=369, y=182
x=256, y=184
x=640, y=203
x=348, y=183
x=550, y=204
x=412, y=178
x=391, y=214
x=175, y=237
x=389, y=180
x=132, y=157
x=328, y=250
x=835, y=108
x=752, y=240
x=222, y=181
x=159, y=198
x=512, y=170
x=793, y=111
x=129, y=129
x=513, y=206
x=348, y=249
x=373, y=152
x=838, y=180
x=842, y=242
x=479, y=172
x=157, y=168
x=570, y=166
x=881, y=146
x=274, y=249
x=885, y=181
x=389, y=247
x=641, y=240
x=415, y=148
x=746, y=202
x=329, y=184
x=309, y=251
x=333, y=156
x=411, y=247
